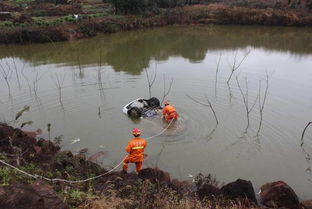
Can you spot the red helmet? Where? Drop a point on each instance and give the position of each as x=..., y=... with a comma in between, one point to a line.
x=136, y=132
x=166, y=103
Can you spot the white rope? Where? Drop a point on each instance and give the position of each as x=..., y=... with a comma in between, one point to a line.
x=77, y=181
x=11, y=166
x=56, y=179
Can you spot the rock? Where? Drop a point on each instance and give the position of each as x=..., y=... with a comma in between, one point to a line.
x=38, y=195
x=240, y=189
x=306, y=204
x=278, y=194
x=155, y=175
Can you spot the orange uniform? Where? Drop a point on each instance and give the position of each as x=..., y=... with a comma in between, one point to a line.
x=169, y=112
x=135, y=148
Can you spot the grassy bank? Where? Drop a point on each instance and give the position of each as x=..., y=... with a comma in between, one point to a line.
x=28, y=26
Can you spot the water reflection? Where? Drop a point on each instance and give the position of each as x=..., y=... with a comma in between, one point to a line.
x=126, y=51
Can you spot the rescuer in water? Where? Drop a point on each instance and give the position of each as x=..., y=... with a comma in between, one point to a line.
x=169, y=112
x=135, y=148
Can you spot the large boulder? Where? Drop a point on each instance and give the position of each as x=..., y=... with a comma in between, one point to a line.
x=155, y=175
x=239, y=189
x=38, y=195
x=278, y=194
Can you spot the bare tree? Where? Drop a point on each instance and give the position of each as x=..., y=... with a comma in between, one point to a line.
x=217, y=71
x=262, y=103
x=166, y=91
x=246, y=101
x=303, y=132
x=208, y=104
x=150, y=78
x=6, y=75
x=236, y=65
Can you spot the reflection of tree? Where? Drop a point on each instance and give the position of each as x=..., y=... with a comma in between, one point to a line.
x=125, y=51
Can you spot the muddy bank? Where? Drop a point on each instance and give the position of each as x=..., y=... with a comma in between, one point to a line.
x=151, y=188
x=197, y=14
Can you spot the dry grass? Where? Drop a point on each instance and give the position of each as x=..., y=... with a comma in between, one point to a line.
x=185, y=203
x=149, y=196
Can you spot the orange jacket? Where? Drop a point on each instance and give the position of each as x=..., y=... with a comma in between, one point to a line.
x=168, y=109
x=135, y=148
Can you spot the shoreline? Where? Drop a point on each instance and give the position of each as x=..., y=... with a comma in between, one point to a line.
x=188, y=15
x=80, y=183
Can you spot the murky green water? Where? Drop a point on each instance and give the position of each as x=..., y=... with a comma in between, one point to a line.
x=99, y=76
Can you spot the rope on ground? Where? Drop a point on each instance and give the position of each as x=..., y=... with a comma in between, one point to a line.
x=77, y=181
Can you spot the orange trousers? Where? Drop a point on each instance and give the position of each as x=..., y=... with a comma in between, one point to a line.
x=138, y=164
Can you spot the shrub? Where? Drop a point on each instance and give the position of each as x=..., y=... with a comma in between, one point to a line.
x=5, y=176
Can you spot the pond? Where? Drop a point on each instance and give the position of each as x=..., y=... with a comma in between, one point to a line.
x=80, y=88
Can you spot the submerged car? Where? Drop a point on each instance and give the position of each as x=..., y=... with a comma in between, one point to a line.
x=140, y=107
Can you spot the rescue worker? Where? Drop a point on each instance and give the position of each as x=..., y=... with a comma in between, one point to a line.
x=169, y=112
x=135, y=148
